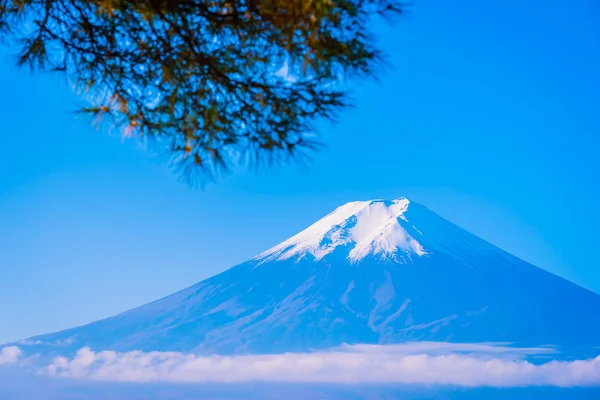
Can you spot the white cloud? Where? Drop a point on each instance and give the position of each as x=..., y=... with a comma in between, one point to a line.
x=10, y=355
x=469, y=365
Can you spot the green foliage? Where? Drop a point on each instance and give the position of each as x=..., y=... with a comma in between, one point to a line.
x=216, y=82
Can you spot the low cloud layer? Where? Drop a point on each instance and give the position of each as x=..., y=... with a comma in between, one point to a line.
x=10, y=355
x=467, y=365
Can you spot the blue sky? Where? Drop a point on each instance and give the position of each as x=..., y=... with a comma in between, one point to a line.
x=489, y=117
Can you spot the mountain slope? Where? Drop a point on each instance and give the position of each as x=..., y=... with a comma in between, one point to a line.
x=369, y=272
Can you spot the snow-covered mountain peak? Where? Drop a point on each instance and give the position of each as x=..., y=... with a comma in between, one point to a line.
x=340, y=281
x=362, y=228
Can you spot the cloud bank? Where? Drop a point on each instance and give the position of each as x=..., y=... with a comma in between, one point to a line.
x=467, y=365
x=10, y=355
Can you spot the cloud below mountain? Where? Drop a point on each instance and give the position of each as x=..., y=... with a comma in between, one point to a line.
x=422, y=363
x=10, y=355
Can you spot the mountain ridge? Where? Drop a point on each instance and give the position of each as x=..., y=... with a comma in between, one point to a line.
x=415, y=276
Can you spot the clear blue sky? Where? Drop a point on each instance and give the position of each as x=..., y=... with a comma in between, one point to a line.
x=490, y=117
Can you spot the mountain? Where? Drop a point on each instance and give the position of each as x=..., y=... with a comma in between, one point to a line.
x=369, y=272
